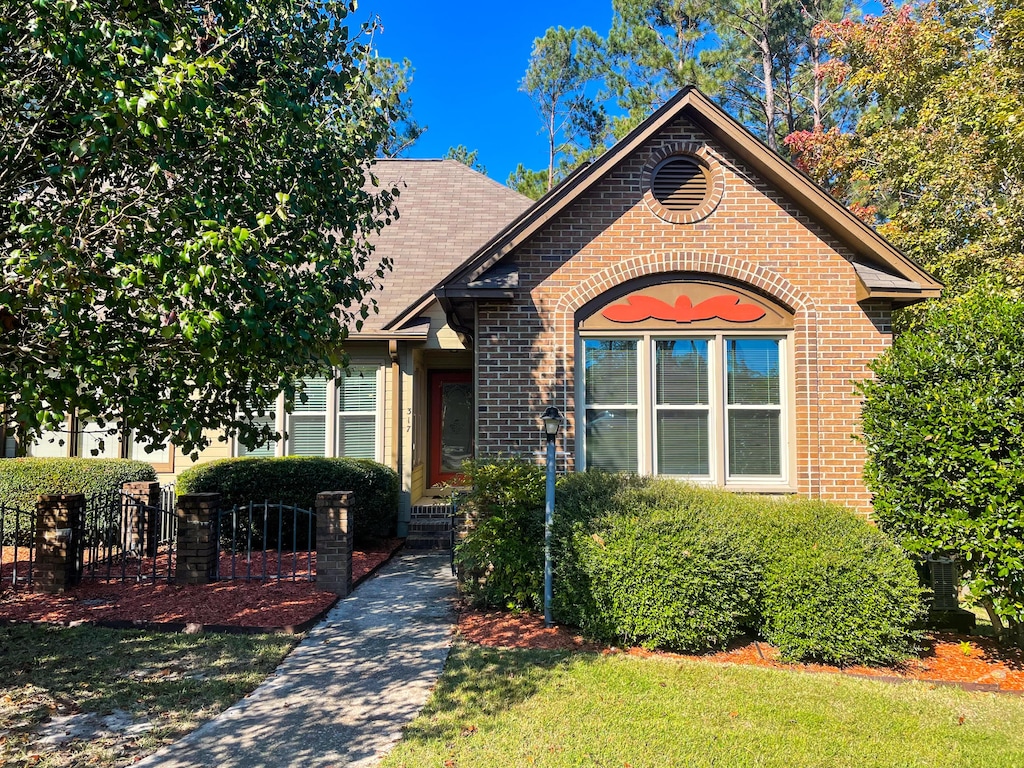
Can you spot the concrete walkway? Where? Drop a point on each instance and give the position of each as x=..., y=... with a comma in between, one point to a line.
x=343, y=695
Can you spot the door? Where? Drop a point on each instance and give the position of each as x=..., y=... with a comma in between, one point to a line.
x=451, y=424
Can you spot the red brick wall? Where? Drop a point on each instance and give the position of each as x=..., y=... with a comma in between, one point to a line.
x=525, y=350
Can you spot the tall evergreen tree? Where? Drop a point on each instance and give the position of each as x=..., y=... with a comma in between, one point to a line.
x=564, y=66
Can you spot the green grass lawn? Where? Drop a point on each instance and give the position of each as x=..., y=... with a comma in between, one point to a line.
x=507, y=708
x=159, y=686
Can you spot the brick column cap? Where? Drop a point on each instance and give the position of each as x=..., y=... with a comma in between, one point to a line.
x=61, y=497
x=328, y=496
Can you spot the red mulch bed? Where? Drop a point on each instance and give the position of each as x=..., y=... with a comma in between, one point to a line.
x=236, y=604
x=969, y=661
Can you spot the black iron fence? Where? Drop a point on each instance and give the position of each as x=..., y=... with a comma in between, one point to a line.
x=17, y=545
x=126, y=539
x=266, y=541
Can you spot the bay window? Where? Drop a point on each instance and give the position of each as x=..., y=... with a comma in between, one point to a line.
x=709, y=407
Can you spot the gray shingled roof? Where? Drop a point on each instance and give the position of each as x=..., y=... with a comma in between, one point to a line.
x=447, y=211
x=877, y=278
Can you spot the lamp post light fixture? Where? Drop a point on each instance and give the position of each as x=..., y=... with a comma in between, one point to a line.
x=552, y=419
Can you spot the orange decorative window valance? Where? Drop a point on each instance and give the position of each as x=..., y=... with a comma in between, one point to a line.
x=696, y=302
x=640, y=307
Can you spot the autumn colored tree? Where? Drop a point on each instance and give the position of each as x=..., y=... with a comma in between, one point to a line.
x=185, y=209
x=936, y=160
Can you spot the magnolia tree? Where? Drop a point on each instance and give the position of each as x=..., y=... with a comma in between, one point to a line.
x=943, y=423
x=185, y=208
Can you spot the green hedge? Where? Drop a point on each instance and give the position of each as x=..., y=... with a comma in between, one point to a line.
x=22, y=480
x=675, y=566
x=663, y=581
x=297, y=480
x=836, y=589
x=502, y=562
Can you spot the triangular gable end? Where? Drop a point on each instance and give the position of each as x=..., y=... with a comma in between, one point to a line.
x=882, y=271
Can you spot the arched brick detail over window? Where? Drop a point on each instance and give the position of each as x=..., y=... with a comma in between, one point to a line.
x=765, y=280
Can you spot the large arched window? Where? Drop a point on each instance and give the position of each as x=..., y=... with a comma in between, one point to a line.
x=690, y=379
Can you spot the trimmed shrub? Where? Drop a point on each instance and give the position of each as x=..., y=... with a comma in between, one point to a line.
x=670, y=565
x=501, y=560
x=829, y=586
x=835, y=588
x=587, y=505
x=297, y=480
x=22, y=480
x=673, y=580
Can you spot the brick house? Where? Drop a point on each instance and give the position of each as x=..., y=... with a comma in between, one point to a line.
x=692, y=304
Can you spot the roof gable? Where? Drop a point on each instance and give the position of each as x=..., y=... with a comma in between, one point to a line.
x=888, y=274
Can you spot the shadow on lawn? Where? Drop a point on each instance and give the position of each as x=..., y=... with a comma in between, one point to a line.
x=101, y=670
x=485, y=682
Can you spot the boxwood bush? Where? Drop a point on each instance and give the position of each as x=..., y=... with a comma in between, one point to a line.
x=501, y=561
x=667, y=580
x=22, y=481
x=835, y=588
x=676, y=566
x=297, y=480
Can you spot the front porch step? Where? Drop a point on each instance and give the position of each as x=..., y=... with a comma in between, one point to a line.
x=430, y=527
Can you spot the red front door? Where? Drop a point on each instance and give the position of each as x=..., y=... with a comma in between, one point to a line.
x=451, y=424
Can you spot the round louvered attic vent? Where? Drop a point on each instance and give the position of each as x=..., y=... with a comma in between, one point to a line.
x=680, y=184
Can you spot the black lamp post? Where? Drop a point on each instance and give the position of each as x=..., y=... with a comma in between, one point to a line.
x=552, y=422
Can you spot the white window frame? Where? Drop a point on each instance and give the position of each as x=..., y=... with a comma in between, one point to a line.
x=325, y=414
x=718, y=445
x=377, y=412
x=282, y=419
x=650, y=342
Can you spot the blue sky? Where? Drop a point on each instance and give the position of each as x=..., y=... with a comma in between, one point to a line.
x=469, y=59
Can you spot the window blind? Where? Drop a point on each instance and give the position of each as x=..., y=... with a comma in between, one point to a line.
x=753, y=371
x=357, y=413
x=612, y=440
x=754, y=438
x=307, y=424
x=357, y=390
x=611, y=371
x=683, y=443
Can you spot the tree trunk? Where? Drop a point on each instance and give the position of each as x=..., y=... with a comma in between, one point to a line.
x=768, y=71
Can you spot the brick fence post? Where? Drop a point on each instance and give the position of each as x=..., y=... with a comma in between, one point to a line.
x=334, y=542
x=197, y=545
x=60, y=520
x=141, y=525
